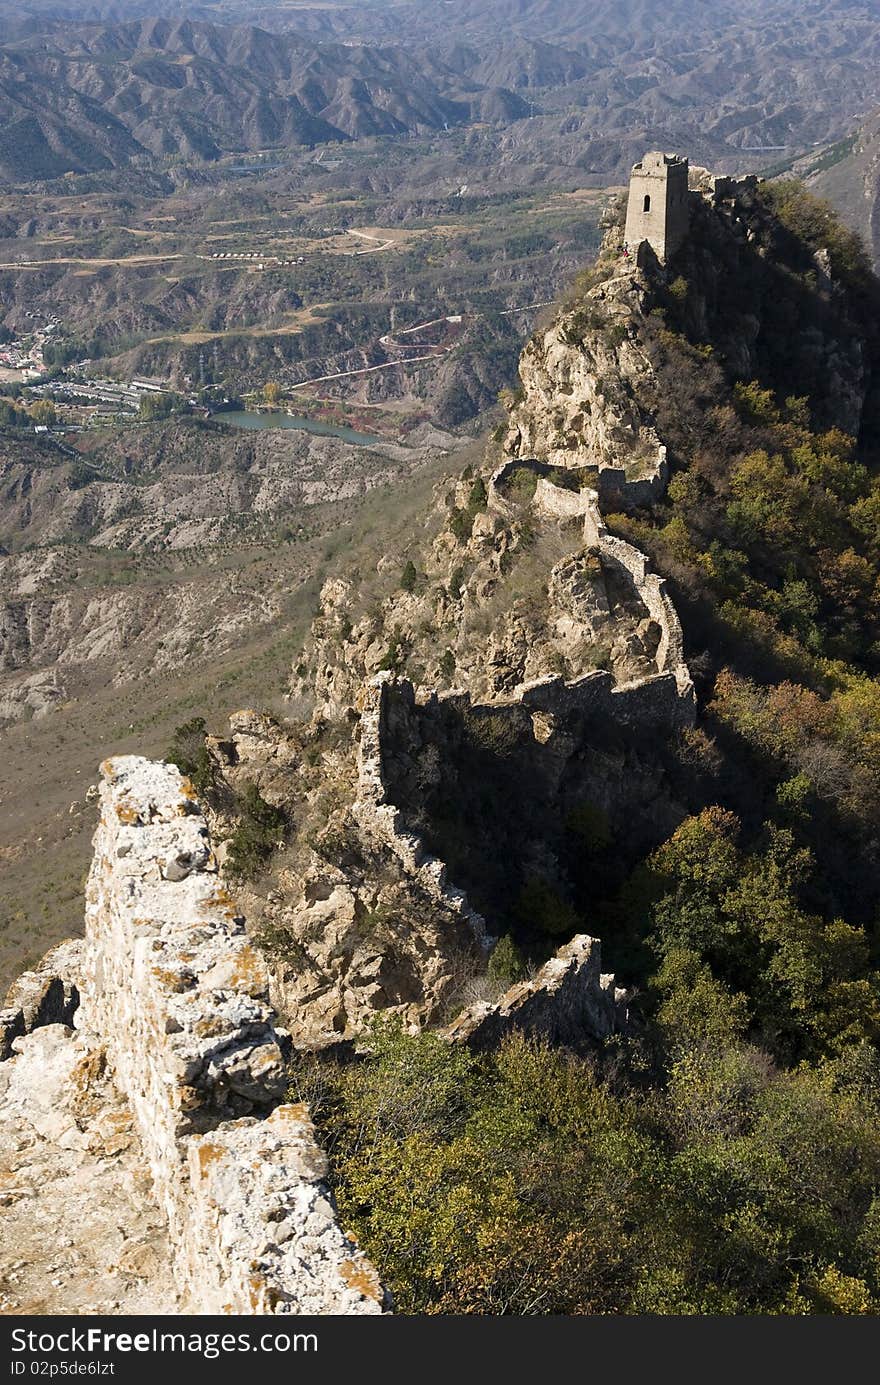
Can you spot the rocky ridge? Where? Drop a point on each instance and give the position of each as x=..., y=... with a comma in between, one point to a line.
x=519, y=573
x=370, y=904
x=485, y=673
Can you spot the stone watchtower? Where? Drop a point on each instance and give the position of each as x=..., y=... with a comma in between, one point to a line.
x=658, y=210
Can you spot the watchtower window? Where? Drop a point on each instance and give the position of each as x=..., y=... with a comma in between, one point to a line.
x=647, y=206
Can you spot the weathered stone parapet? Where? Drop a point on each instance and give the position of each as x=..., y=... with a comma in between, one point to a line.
x=560, y=503
x=617, y=488
x=262, y=1184
x=384, y=700
x=653, y=592
x=175, y=991
x=643, y=704
x=569, y=1001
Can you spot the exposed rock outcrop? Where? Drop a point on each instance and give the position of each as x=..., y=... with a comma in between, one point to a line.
x=582, y=382
x=47, y=995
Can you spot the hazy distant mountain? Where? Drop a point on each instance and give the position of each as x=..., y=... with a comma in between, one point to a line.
x=87, y=85
x=87, y=97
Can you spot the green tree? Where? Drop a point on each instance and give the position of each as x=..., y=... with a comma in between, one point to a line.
x=43, y=412
x=506, y=964
x=259, y=827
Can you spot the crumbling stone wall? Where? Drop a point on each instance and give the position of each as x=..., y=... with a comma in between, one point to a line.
x=560, y=503
x=654, y=594
x=178, y=996
x=49, y=994
x=546, y=728
x=570, y=1000
x=386, y=705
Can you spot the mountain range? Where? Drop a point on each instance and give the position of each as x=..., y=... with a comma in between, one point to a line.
x=81, y=98
x=91, y=87
x=849, y=177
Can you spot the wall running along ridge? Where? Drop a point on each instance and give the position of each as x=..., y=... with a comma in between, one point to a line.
x=394, y=715
x=652, y=591
x=559, y=503
x=176, y=993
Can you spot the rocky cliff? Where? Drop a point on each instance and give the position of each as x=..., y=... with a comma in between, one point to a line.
x=519, y=667
x=514, y=671
x=583, y=385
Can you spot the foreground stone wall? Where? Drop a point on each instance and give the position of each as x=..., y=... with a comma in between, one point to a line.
x=175, y=992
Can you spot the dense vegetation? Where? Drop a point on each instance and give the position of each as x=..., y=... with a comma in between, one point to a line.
x=533, y=1181
x=770, y=535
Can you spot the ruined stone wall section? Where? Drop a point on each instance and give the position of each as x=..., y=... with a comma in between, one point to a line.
x=556, y=502
x=384, y=700
x=559, y=503
x=391, y=714
x=569, y=1000
x=173, y=989
x=49, y=994
x=652, y=591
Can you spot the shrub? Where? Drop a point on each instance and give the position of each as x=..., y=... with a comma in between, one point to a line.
x=189, y=752
x=461, y=523
x=506, y=964
x=541, y=907
x=590, y=826
x=394, y=658
x=678, y=289
x=447, y=665
x=256, y=835
x=478, y=498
